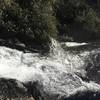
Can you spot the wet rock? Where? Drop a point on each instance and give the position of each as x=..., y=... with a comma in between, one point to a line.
x=86, y=95
x=13, y=90
x=93, y=67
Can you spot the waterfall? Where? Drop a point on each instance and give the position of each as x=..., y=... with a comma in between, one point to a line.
x=66, y=58
x=56, y=49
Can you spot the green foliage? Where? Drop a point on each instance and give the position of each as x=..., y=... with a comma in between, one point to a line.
x=90, y=20
x=33, y=18
x=78, y=19
x=40, y=19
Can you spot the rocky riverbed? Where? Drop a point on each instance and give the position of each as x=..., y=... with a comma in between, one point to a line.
x=61, y=75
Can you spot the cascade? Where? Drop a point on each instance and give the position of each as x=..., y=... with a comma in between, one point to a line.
x=58, y=75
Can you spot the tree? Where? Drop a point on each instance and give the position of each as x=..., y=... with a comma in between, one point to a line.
x=31, y=18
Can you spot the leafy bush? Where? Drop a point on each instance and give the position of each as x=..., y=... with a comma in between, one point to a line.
x=31, y=18
x=78, y=19
x=37, y=20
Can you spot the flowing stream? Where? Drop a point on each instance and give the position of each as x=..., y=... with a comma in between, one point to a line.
x=62, y=71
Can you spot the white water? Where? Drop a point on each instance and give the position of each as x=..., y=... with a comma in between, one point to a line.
x=74, y=44
x=56, y=69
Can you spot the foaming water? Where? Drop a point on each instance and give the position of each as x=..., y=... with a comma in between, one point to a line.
x=66, y=58
x=19, y=65
x=57, y=71
x=55, y=49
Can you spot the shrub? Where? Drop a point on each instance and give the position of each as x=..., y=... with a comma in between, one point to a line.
x=77, y=19
x=31, y=18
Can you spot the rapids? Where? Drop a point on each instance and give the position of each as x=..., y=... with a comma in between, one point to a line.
x=61, y=73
